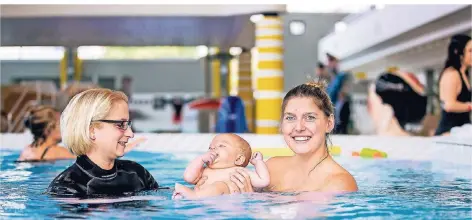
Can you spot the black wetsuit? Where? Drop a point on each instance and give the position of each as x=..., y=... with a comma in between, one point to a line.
x=84, y=179
x=453, y=119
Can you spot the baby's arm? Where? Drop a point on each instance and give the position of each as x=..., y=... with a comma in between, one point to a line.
x=215, y=189
x=261, y=177
x=194, y=170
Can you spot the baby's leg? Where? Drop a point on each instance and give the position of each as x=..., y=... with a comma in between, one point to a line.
x=182, y=191
x=215, y=189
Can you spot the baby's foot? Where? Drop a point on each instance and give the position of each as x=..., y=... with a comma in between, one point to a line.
x=181, y=192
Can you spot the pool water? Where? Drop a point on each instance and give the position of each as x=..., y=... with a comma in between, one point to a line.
x=389, y=189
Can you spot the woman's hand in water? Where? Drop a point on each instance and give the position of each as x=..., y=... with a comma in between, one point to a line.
x=240, y=182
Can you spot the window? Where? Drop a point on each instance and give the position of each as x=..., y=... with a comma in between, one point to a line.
x=138, y=53
x=31, y=53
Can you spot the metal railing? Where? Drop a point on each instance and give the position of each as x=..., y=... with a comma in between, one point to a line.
x=15, y=107
x=13, y=124
x=16, y=125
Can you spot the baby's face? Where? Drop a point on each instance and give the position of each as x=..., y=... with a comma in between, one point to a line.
x=227, y=150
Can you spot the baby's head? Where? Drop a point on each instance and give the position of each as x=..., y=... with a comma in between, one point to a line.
x=232, y=151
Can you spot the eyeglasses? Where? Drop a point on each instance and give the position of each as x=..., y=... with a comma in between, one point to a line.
x=121, y=124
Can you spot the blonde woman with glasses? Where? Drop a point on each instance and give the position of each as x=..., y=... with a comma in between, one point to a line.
x=95, y=126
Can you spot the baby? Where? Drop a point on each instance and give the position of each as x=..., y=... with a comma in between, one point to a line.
x=227, y=153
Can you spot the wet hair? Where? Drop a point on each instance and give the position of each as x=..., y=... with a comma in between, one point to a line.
x=408, y=106
x=40, y=120
x=317, y=92
x=455, y=51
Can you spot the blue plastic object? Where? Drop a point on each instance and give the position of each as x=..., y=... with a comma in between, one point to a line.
x=231, y=116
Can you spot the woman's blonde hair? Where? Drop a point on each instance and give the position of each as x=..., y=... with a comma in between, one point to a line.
x=83, y=108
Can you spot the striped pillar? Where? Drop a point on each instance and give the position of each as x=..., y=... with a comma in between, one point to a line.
x=77, y=67
x=70, y=65
x=269, y=74
x=244, y=87
x=215, y=75
x=64, y=69
x=233, y=77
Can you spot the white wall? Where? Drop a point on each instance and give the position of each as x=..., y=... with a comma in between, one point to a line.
x=153, y=75
x=9, y=70
x=148, y=76
x=301, y=52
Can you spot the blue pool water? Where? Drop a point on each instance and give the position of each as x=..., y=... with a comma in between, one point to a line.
x=389, y=189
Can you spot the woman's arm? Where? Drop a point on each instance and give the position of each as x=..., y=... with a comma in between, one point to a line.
x=448, y=89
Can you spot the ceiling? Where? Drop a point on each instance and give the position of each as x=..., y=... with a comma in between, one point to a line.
x=130, y=25
x=218, y=31
x=134, y=10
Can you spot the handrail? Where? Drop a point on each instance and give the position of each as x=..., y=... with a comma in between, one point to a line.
x=21, y=114
x=17, y=104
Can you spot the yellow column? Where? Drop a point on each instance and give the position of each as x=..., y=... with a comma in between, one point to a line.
x=63, y=69
x=215, y=75
x=244, y=87
x=77, y=66
x=269, y=74
x=233, y=77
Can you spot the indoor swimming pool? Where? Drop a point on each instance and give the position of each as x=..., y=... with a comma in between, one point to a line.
x=388, y=188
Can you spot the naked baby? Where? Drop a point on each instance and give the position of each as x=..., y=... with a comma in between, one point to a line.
x=227, y=152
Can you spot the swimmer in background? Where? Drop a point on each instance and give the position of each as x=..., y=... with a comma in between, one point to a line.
x=227, y=154
x=44, y=124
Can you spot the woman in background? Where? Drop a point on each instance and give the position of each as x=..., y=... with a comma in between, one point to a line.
x=396, y=101
x=454, y=85
x=43, y=123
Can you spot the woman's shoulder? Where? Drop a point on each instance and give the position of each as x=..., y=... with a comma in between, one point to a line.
x=69, y=182
x=277, y=161
x=451, y=73
x=58, y=152
x=129, y=165
x=340, y=180
x=27, y=154
x=70, y=174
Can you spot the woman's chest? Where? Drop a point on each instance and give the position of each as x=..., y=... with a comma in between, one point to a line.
x=293, y=180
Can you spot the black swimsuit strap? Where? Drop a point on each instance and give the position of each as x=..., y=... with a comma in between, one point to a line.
x=45, y=151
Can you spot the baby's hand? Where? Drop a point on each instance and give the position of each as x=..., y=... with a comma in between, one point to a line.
x=209, y=157
x=257, y=156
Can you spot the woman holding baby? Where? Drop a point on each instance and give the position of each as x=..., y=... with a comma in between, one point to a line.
x=307, y=120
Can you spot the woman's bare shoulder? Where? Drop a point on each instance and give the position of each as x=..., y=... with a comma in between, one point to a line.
x=58, y=152
x=277, y=161
x=27, y=154
x=340, y=181
x=450, y=74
